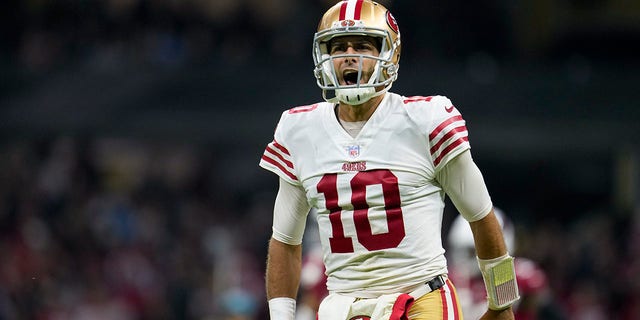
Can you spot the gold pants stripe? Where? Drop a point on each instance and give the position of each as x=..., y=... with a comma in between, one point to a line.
x=441, y=304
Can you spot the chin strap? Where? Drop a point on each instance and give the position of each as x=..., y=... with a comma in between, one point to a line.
x=355, y=96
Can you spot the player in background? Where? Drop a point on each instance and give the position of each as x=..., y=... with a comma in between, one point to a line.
x=313, y=279
x=376, y=167
x=313, y=285
x=536, y=301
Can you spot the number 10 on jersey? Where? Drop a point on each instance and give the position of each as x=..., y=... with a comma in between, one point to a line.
x=359, y=183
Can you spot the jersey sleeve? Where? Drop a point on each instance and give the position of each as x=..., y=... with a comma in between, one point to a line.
x=290, y=214
x=463, y=182
x=276, y=157
x=443, y=125
x=448, y=135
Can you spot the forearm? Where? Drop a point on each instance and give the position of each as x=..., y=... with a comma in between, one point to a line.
x=488, y=237
x=283, y=269
x=496, y=266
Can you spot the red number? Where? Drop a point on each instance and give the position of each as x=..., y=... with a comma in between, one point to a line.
x=339, y=243
x=303, y=108
x=389, y=182
x=416, y=99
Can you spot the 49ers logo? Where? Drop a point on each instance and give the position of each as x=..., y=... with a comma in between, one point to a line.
x=360, y=318
x=391, y=21
x=347, y=23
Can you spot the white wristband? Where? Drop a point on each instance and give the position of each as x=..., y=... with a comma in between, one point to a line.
x=500, y=281
x=282, y=308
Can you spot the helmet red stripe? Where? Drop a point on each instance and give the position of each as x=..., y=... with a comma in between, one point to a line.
x=356, y=14
x=351, y=7
x=343, y=10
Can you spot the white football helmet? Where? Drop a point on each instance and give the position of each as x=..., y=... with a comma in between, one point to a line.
x=364, y=18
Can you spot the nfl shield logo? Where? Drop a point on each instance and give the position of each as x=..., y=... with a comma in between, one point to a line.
x=353, y=151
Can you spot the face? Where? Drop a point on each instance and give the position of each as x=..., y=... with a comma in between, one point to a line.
x=347, y=67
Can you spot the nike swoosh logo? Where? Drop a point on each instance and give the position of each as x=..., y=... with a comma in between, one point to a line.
x=448, y=109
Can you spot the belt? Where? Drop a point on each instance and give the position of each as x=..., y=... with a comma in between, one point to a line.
x=431, y=285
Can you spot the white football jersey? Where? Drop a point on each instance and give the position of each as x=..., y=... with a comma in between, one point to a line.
x=379, y=206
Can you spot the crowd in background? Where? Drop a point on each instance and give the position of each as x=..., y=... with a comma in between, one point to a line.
x=126, y=229
x=99, y=227
x=43, y=35
x=117, y=229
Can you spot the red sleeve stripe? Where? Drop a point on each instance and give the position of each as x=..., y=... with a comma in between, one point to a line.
x=279, y=156
x=279, y=166
x=443, y=125
x=461, y=129
x=281, y=147
x=448, y=149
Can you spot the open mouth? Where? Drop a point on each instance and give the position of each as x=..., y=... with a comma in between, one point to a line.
x=350, y=77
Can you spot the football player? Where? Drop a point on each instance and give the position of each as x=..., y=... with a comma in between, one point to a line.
x=536, y=299
x=376, y=166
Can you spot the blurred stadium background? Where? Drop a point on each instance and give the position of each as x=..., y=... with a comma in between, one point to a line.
x=130, y=132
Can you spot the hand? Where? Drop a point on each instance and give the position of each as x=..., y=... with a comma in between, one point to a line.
x=506, y=314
